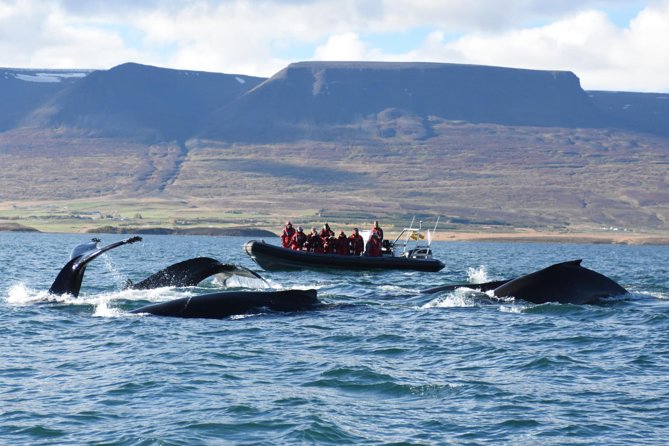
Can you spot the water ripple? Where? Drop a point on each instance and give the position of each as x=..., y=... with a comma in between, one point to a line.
x=378, y=363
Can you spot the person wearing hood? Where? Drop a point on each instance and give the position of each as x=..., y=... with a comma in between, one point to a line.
x=357, y=244
x=342, y=245
x=314, y=242
x=288, y=233
x=298, y=240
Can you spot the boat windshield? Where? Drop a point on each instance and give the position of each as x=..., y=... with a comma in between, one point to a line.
x=414, y=242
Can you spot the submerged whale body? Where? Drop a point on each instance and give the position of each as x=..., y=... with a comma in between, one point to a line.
x=566, y=282
x=230, y=303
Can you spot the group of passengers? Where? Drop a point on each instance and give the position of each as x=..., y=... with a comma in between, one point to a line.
x=325, y=242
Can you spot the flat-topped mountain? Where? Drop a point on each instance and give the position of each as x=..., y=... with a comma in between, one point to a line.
x=154, y=104
x=308, y=99
x=326, y=101
x=645, y=112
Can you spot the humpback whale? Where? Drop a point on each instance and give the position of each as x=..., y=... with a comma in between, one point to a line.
x=187, y=273
x=566, y=282
x=69, y=279
x=191, y=272
x=230, y=303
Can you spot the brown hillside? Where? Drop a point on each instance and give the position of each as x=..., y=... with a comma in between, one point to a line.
x=470, y=173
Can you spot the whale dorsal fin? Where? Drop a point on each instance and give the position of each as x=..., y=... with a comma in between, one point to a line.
x=569, y=263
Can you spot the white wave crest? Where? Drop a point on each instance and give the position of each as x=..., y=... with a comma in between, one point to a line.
x=397, y=290
x=460, y=298
x=512, y=308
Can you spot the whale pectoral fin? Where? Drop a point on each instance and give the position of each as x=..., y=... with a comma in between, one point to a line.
x=70, y=277
x=483, y=287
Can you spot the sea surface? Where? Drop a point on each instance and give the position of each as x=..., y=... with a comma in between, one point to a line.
x=377, y=363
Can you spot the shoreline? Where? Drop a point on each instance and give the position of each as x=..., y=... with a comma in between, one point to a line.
x=517, y=236
x=586, y=237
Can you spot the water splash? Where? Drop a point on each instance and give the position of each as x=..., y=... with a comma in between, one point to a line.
x=104, y=310
x=119, y=278
x=20, y=294
x=478, y=275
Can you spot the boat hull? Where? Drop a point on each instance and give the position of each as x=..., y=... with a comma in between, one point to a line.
x=276, y=258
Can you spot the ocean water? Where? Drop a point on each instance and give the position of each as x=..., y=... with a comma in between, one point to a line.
x=378, y=363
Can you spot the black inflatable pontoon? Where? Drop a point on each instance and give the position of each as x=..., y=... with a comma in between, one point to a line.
x=272, y=257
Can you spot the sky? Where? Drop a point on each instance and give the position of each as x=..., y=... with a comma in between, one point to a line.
x=609, y=44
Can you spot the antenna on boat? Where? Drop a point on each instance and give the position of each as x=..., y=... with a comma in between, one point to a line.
x=434, y=231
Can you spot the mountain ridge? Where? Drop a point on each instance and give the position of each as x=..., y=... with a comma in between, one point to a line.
x=318, y=100
x=479, y=145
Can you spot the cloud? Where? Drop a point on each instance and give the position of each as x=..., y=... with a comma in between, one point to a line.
x=347, y=46
x=603, y=55
x=259, y=37
x=35, y=34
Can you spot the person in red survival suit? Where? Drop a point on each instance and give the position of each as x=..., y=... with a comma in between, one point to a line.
x=298, y=240
x=375, y=241
x=288, y=233
x=373, y=248
x=342, y=245
x=327, y=237
x=326, y=232
x=357, y=244
x=314, y=242
x=329, y=245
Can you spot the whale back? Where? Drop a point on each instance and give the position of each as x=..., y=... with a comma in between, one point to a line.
x=231, y=303
x=566, y=282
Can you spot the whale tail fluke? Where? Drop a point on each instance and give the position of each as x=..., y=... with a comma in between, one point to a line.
x=71, y=275
x=191, y=272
